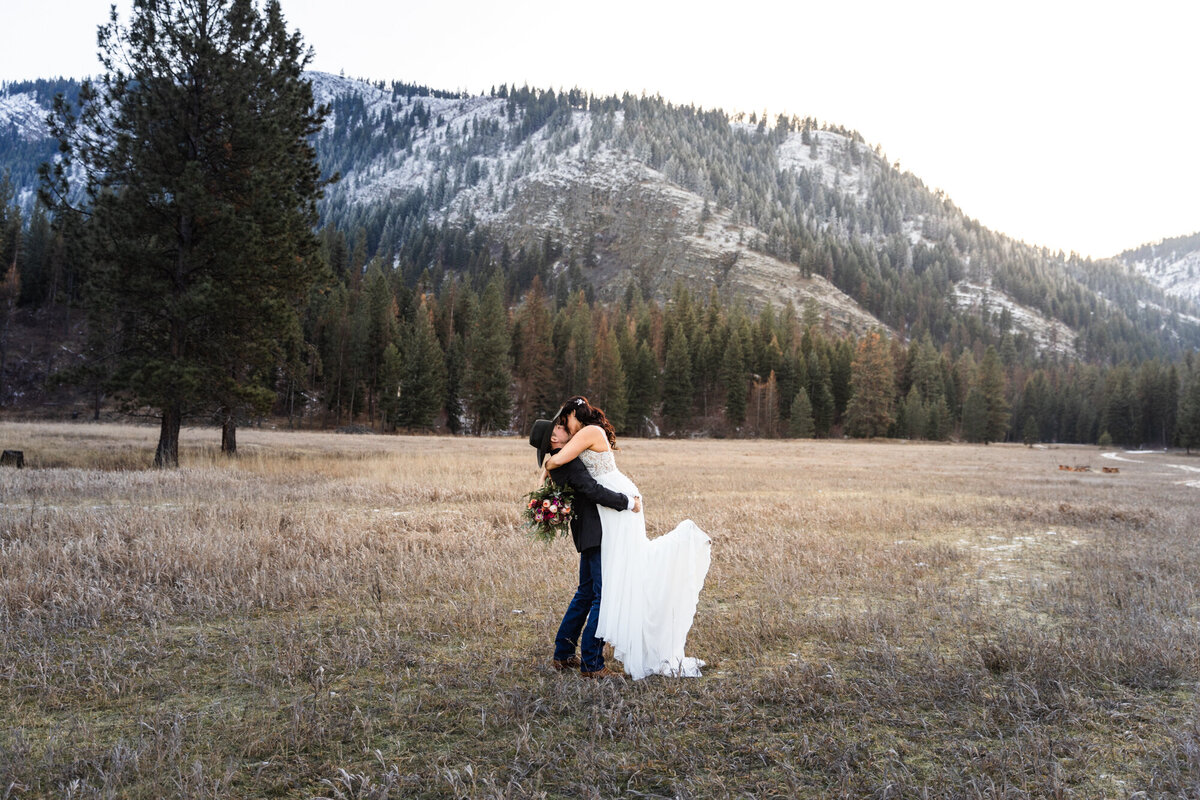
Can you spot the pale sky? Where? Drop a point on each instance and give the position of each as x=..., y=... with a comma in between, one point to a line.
x=1072, y=125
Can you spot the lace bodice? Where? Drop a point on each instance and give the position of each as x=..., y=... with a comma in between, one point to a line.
x=598, y=463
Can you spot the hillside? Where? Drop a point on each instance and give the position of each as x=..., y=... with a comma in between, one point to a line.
x=637, y=190
x=1173, y=265
x=635, y=193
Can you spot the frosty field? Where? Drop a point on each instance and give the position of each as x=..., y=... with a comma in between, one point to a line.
x=363, y=617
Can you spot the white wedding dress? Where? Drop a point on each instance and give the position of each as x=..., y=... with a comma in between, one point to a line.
x=650, y=586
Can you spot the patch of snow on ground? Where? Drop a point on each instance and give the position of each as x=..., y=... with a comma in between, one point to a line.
x=1116, y=457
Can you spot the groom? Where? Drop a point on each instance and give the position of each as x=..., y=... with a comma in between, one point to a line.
x=584, y=610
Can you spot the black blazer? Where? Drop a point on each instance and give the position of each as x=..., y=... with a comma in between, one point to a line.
x=585, y=525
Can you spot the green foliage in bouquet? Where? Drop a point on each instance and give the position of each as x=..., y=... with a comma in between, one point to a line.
x=548, y=511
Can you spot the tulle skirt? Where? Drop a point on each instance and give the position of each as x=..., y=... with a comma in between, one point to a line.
x=650, y=588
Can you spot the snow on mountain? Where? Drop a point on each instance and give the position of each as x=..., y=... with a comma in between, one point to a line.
x=23, y=112
x=1192, y=318
x=1048, y=334
x=327, y=87
x=634, y=218
x=403, y=171
x=591, y=196
x=584, y=191
x=1174, y=268
x=830, y=157
x=844, y=165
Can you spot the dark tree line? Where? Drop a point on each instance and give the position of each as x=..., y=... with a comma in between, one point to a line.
x=495, y=357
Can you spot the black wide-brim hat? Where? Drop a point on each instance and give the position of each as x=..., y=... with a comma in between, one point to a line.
x=539, y=437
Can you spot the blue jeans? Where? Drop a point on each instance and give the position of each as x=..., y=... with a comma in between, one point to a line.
x=582, y=615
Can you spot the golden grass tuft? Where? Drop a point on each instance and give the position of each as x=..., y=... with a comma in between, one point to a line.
x=362, y=616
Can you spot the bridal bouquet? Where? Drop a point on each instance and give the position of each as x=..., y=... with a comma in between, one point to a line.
x=548, y=511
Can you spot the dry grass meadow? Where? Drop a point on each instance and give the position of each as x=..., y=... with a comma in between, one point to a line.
x=362, y=617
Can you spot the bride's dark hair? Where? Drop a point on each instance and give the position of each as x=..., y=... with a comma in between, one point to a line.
x=587, y=414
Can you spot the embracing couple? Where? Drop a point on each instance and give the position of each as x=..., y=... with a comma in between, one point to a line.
x=637, y=594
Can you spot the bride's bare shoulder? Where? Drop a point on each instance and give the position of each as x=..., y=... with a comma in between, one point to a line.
x=596, y=436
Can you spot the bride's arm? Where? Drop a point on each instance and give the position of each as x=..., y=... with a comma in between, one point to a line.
x=587, y=436
x=579, y=479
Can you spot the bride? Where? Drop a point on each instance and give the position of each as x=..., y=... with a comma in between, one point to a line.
x=650, y=586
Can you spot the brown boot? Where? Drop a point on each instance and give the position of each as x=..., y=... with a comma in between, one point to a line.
x=570, y=663
x=602, y=673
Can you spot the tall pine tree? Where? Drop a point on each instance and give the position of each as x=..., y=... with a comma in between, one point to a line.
x=641, y=389
x=735, y=378
x=975, y=416
x=537, y=391
x=606, y=386
x=800, y=426
x=993, y=386
x=869, y=412
x=677, y=383
x=488, y=375
x=1189, y=411
x=422, y=383
x=202, y=186
x=820, y=393
x=1120, y=412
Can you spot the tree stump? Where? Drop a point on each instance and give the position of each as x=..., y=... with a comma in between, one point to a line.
x=13, y=458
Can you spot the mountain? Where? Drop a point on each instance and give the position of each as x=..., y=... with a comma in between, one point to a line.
x=24, y=135
x=634, y=193
x=1172, y=264
x=476, y=163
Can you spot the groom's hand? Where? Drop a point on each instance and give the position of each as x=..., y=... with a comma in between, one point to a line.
x=637, y=503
